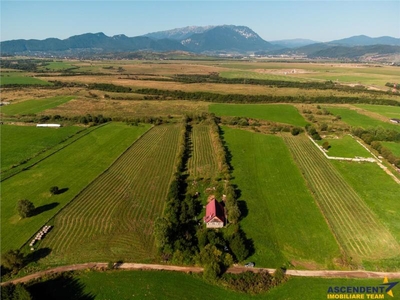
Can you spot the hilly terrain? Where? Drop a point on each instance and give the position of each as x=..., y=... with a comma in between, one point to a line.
x=210, y=40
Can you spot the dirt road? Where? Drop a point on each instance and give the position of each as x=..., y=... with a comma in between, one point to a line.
x=235, y=270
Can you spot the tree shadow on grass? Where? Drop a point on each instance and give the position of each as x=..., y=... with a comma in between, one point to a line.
x=61, y=191
x=244, y=211
x=43, y=208
x=61, y=287
x=37, y=255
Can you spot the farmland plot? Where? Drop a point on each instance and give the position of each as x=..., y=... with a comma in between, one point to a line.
x=356, y=227
x=279, y=213
x=203, y=162
x=71, y=169
x=34, y=106
x=113, y=217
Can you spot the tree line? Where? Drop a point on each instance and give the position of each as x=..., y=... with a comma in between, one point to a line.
x=374, y=137
x=157, y=94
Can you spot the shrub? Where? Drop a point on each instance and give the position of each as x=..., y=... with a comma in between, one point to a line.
x=54, y=190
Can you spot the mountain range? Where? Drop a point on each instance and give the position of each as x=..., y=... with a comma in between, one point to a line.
x=224, y=39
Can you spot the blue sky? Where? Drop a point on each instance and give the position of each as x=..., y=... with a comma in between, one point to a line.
x=272, y=20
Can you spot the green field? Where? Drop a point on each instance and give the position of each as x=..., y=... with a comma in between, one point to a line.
x=57, y=66
x=281, y=113
x=353, y=118
x=20, y=79
x=384, y=110
x=34, y=106
x=357, y=228
x=345, y=147
x=377, y=189
x=280, y=215
x=256, y=75
x=19, y=143
x=394, y=147
x=203, y=161
x=112, y=219
x=71, y=169
x=123, y=285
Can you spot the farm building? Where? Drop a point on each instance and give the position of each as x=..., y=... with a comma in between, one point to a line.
x=215, y=215
x=48, y=125
x=397, y=121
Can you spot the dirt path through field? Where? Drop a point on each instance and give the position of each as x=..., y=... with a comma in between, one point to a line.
x=235, y=270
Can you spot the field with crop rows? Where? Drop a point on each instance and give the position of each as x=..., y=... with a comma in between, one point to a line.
x=384, y=110
x=281, y=113
x=346, y=146
x=34, y=106
x=357, y=228
x=113, y=217
x=353, y=118
x=22, y=142
x=203, y=161
x=279, y=213
x=71, y=169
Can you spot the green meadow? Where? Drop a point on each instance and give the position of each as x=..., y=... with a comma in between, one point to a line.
x=353, y=118
x=280, y=215
x=20, y=79
x=71, y=170
x=281, y=113
x=34, y=106
x=174, y=285
x=345, y=147
x=384, y=110
x=58, y=66
x=256, y=75
x=20, y=143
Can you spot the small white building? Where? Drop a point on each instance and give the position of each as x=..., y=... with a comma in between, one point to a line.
x=48, y=125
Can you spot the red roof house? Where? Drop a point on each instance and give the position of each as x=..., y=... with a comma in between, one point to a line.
x=215, y=215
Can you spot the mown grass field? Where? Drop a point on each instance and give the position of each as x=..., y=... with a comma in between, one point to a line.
x=20, y=79
x=113, y=218
x=71, y=169
x=203, y=161
x=384, y=110
x=394, y=147
x=126, y=285
x=357, y=228
x=282, y=113
x=280, y=215
x=353, y=118
x=20, y=143
x=346, y=146
x=258, y=75
x=34, y=106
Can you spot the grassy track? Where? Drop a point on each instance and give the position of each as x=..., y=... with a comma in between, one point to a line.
x=357, y=228
x=386, y=111
x=22, y=142
x=34, y=106
x=281, y=113
x=353, y=118
x=113, y=217
x=345, y=147
x=203, y=162
x=280, y=215
x=72, y=169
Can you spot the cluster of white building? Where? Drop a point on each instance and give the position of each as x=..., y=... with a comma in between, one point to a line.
x=40, y=234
